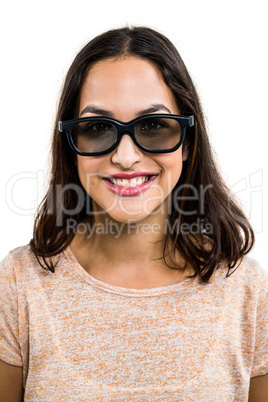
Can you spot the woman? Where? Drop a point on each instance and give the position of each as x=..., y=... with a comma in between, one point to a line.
x=135, y=285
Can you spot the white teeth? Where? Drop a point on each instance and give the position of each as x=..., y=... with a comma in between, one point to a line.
x=137, y=181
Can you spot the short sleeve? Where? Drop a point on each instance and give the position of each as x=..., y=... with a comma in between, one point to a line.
x=9, y=317
x=260, y=362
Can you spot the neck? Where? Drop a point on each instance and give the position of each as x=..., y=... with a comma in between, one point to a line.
x=124, y=242
x=127, y=254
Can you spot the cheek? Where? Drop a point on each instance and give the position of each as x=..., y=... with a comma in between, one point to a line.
x=172, y=164
x=87, y=172
x=81, y=169
x=175, y=173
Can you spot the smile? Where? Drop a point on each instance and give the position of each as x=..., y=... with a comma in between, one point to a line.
x=137, y=181
x=129, y=187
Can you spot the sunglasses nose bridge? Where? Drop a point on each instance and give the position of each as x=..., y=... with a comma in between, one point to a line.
x=125, y=129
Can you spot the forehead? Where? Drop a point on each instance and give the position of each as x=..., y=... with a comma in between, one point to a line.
x=127, y=82
x=126, y=65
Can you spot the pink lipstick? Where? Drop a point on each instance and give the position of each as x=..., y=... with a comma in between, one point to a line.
x=129, y=185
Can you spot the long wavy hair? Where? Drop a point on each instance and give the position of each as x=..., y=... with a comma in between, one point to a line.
x=224, y=233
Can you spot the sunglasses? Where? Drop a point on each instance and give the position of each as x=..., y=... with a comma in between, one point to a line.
x=157, y=133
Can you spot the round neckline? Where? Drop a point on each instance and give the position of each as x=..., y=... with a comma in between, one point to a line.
x=155, y=291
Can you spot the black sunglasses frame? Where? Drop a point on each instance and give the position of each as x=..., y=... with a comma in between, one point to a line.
x=125, y=128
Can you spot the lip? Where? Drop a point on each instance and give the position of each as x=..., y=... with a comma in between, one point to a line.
x=131, y=175
x=130, y=191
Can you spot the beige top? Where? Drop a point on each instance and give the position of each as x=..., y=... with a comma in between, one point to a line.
x=79, y=339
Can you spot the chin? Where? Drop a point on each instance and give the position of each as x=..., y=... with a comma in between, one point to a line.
x=130, y=212
x=148, y=217
x=128, y=219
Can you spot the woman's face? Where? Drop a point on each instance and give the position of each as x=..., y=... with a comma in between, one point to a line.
x=125, y=89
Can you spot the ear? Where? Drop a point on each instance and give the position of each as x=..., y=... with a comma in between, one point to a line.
x=185, y=153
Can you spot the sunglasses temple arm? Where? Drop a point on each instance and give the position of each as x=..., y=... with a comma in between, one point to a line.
x=191, y=121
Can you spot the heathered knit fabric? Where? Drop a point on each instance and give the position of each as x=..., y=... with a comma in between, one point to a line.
x=80, y=339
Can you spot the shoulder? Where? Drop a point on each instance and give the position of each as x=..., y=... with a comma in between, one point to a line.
x=247, y=280
x=253, y=272
x=249, y=286
x=21, y=263
x=19, y=257
x=251, y=264
x=21, y=275
x=20, y=252
x=16, y=264
x=247, y=270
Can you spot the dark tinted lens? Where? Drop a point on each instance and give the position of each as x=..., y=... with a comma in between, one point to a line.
x=157, y=133
x=94, y=135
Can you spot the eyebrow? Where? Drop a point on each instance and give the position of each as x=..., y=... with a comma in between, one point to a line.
x=96, y=110
x=102, y=112
x=154, y=108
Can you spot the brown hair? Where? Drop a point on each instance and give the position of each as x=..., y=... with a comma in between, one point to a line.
x=229, y=236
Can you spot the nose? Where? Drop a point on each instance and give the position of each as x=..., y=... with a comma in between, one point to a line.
x=127, y=153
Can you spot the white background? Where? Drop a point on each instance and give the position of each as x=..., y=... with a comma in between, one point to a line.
x=224, y=46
